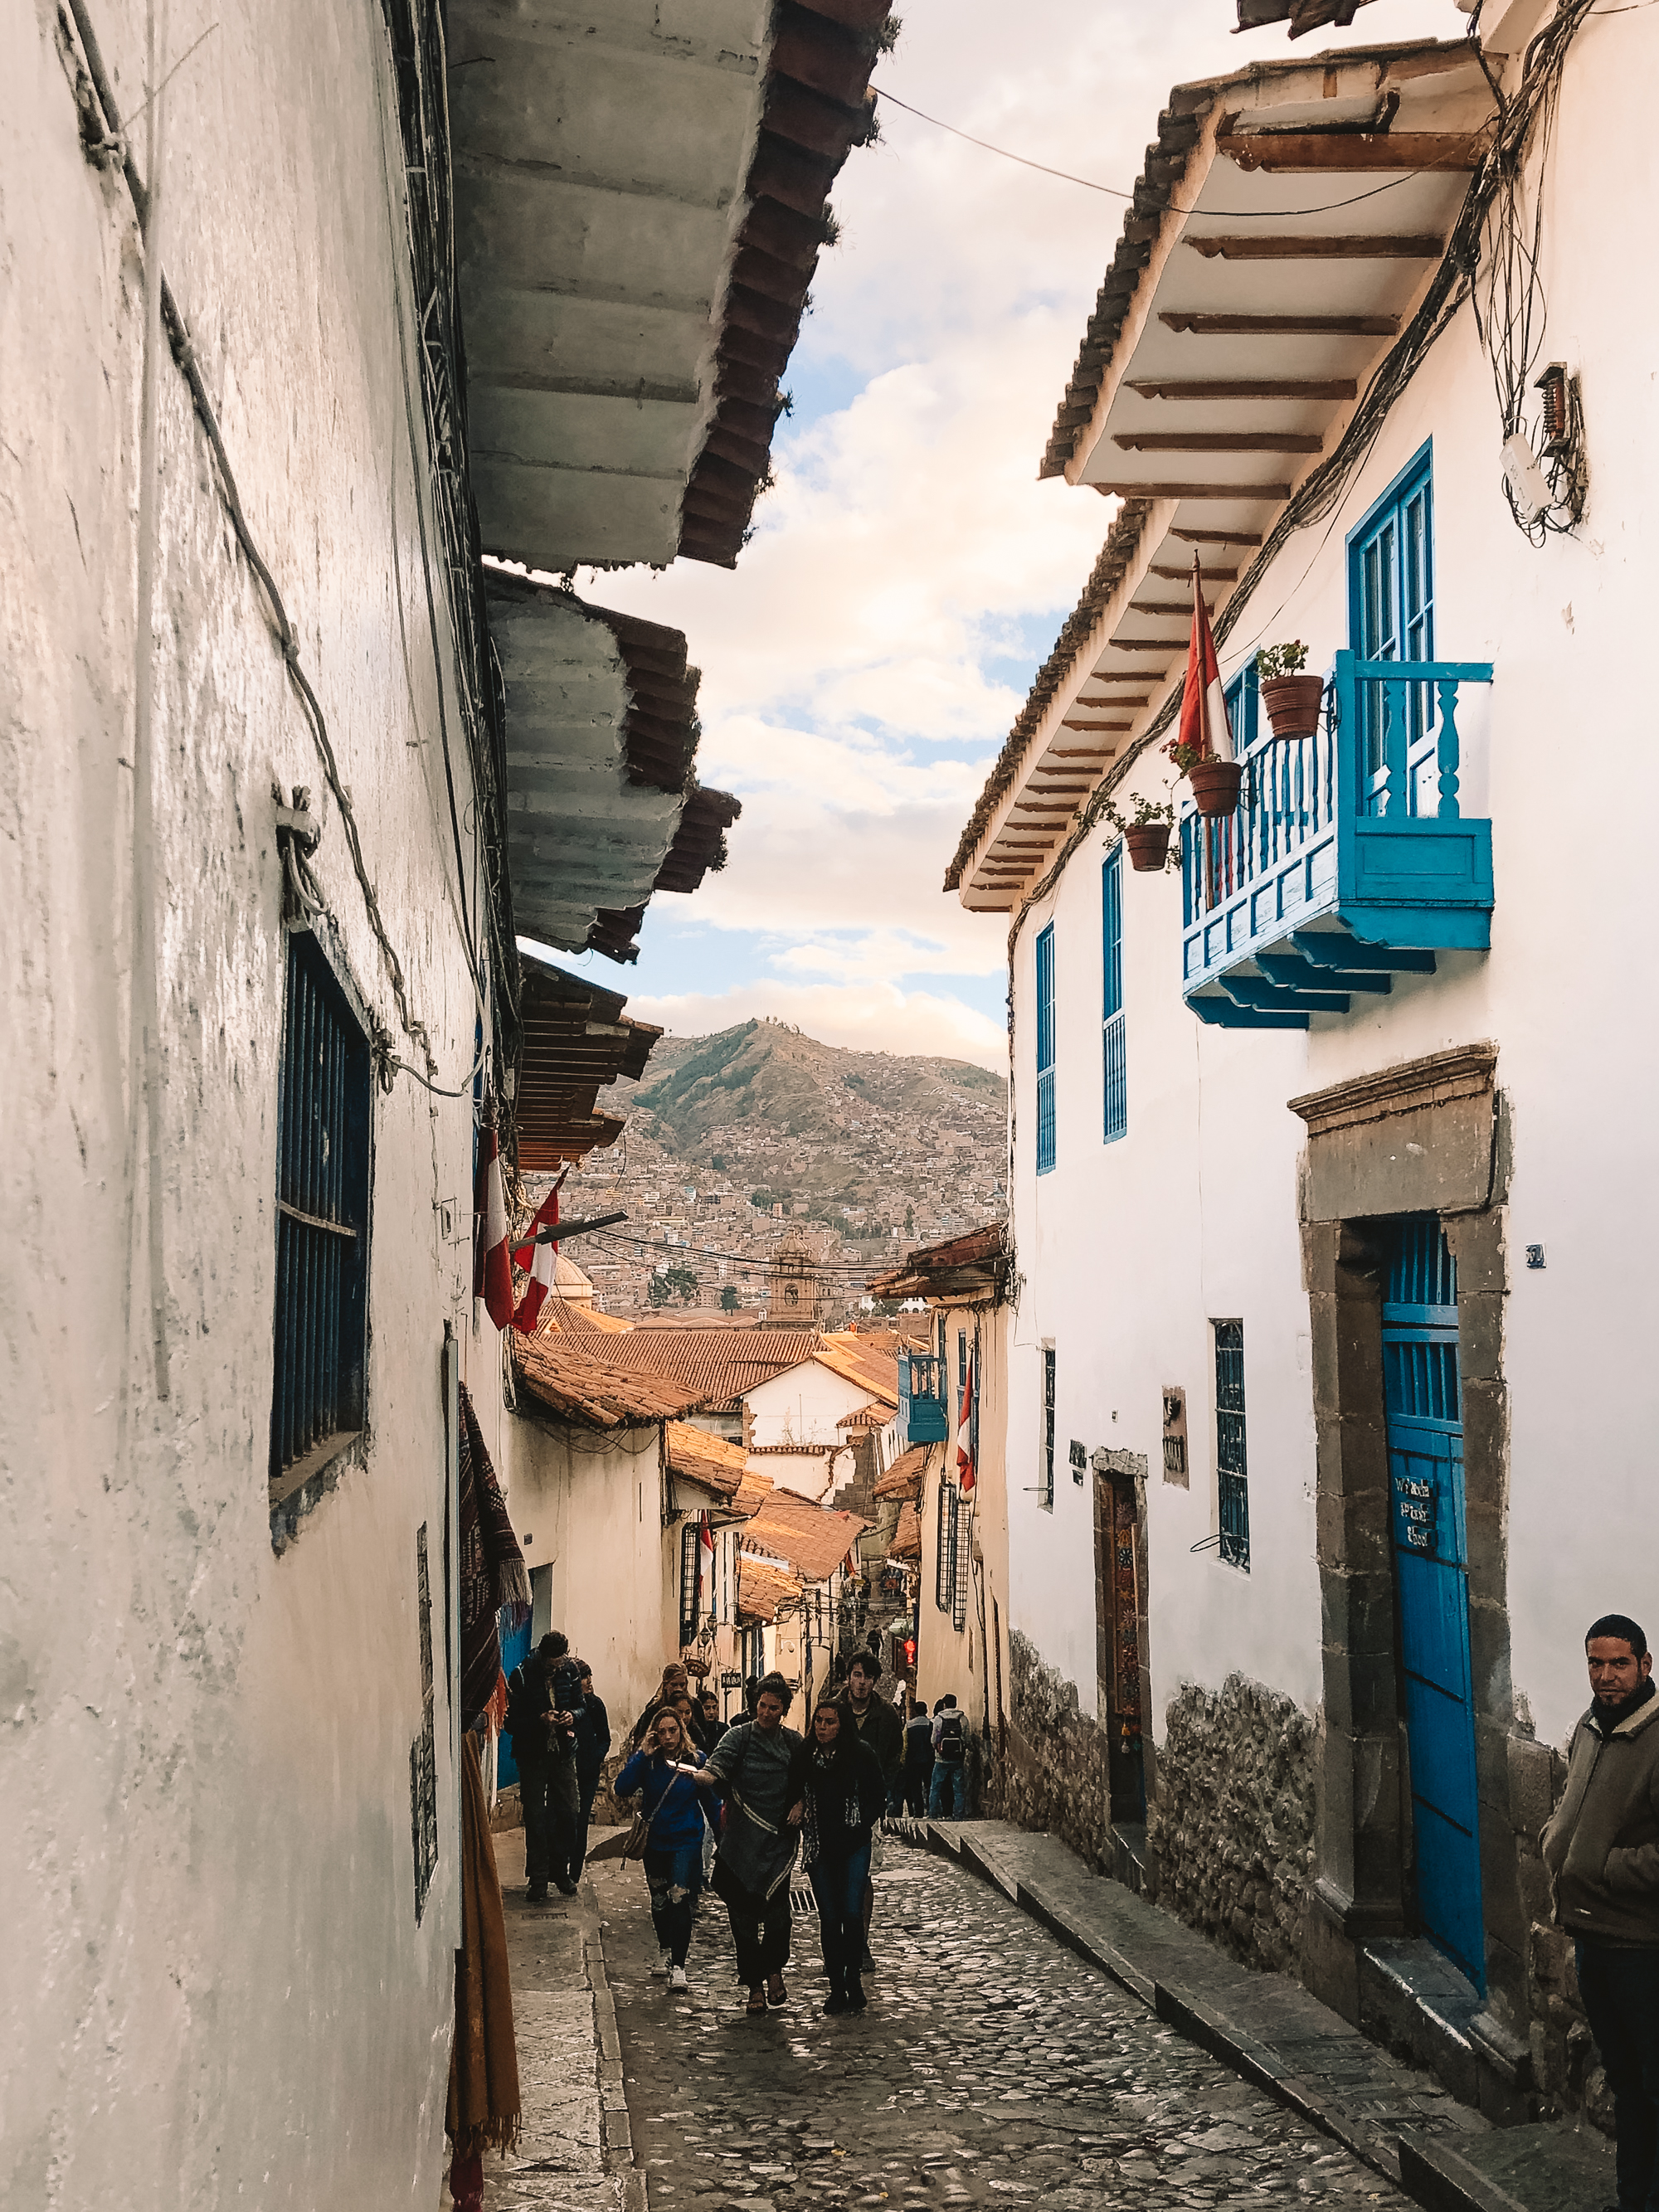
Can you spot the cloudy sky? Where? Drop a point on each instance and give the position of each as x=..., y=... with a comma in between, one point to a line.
x=907, y=574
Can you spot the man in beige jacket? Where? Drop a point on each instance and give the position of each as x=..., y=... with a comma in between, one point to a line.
x=1601, y=1847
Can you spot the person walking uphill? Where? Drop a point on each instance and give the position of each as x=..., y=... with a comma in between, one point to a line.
x=673, y=1849
x=844, y=1795
x=755, y=1762
x=1600, y=1846
x=950, y=1762
x=878, y=1726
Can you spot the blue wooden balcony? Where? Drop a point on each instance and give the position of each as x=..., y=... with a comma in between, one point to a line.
x=1347, y=861
x=922, y=1416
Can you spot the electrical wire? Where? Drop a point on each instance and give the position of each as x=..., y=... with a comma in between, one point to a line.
x=1113, y=192
x=750, y=1260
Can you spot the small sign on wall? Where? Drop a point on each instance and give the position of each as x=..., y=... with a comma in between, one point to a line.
x=1079, y=1460
x=1175, y=1435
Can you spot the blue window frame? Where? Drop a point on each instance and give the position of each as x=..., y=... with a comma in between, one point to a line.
x=1391, y=616
x=1045, y=1049
x=323, y=1167
x=1243, y=700
x=1115, y=1062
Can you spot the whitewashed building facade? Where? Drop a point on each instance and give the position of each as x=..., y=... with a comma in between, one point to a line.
x=1326, y=1142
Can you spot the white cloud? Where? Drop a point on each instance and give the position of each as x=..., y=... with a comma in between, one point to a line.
x=856, y=676
x=873, y=1017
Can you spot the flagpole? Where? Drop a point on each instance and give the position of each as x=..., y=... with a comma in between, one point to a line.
x=1205, y=827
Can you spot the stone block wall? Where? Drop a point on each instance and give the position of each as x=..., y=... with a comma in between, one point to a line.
x=1229, y=1826
x=1567, y=2074
x=1053, y=1774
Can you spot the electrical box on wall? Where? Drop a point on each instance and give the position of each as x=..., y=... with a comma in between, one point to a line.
x=1079, y=1460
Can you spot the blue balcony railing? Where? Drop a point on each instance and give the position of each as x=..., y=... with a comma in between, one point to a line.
x=1347, y=861
x=922, y=1416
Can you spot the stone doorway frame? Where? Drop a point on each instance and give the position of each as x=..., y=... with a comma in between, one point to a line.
x=1428, y=1136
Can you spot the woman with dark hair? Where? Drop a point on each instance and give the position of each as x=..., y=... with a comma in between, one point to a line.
x=673, y=1851
x=756, y=1765
x=845, y=1795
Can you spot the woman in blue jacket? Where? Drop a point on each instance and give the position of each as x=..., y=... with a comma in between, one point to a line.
x=673, y=1851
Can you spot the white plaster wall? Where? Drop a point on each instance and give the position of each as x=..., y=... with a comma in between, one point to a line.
x=962, y=1660
x=216, y=1991
x=802, y=1405
x=1128, y=1250
x=590, y=1506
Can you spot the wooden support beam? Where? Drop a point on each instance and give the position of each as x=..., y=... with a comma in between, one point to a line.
x=1258, y=493
x=1143, y=700
x=1279, y=326
x=1082, y=722
x=1246, y=387
x=1218, y=536
x=1134, y=645
x=1095, y=753
x=1180, y=609
x=1311, y=153
x=1185, y=576
x=1128, y=675
x=1356, y=245
x=1218, y=441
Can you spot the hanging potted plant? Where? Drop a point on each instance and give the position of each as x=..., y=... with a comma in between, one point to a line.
x=1291, y=699
x=1148, y=836
x=1215, y=783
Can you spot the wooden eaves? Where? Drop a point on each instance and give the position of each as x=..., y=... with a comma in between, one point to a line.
x=1233, y=358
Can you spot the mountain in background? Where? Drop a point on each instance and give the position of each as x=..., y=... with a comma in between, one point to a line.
x=729, y=1136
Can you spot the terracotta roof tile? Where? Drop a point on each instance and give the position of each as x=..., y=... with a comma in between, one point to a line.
x=814, y=1539
x=563, y=1374
x=707, y=1460
x=872, y=1363
x=973, y=1263
x=719, y=1364
x=903, y=1478
x=907, y=1537
x=876, y=1415
x=752, y=1491
x=763, y=1589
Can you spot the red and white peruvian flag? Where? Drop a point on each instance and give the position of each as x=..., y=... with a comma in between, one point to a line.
x=1204, y=724
x=492, y=1265
x=538, y=1262
x=965, y=1477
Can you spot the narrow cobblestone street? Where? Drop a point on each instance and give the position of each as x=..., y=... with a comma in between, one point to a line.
x=992, y=2068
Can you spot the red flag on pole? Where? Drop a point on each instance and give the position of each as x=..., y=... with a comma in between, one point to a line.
x=705, y=1566
x=965, y=1477
x=1203, y=723
x=492, y=1267
x=537, y=1262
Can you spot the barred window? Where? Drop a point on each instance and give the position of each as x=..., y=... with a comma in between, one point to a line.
x=689, y=1531
x=323, y=1164
x=1233, y=1480
x=1046, y=1487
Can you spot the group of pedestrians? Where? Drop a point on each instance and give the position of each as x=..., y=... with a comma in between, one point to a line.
x=935, y=1761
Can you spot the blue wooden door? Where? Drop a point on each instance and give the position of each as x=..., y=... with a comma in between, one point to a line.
x=1430, y=1553
x=515, y=1650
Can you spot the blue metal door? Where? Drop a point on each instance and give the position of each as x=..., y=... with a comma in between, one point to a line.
x=515, y=1650
x=1431, y=1551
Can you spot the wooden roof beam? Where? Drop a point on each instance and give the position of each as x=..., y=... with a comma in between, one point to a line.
x=1310, y=153
x=1259, y=495
x=1216, y=538
x=1246, y=387
x=1279, y=326
x=1355, y=246
x=1125, y=675
x=1185, y=576
x=1218, y=441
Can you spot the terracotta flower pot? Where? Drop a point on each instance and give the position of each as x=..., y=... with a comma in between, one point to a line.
x=1148, y=845
x=1293, y=703
x=1215, y=786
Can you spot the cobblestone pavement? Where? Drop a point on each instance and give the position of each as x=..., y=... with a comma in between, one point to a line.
x=992, y=2068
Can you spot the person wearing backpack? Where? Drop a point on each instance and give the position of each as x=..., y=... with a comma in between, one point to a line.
x=672, y=1811
x=950, y=1762
x=918, y=1759
x=542, y=1697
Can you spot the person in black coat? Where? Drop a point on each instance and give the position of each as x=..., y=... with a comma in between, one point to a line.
x=592, y=1742
x=844, y=1793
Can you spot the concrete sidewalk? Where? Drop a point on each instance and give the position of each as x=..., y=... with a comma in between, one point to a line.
x=575, y=2150
x=1270, y=2030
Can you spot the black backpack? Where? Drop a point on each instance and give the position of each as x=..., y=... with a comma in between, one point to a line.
x=524, y=1718
x=950, y=1745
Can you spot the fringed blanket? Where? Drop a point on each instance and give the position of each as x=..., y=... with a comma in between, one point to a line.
x=484, y=2060
x=492, y=1577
